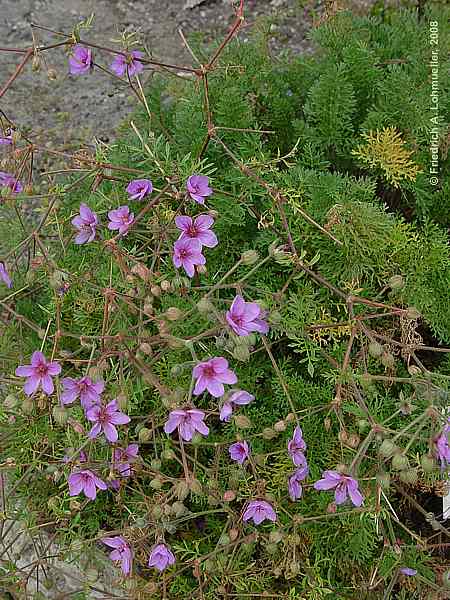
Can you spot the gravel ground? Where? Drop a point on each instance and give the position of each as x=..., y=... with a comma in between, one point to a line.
x=71, y=108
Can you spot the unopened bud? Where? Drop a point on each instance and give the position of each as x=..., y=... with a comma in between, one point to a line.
x=36, y=63
x=168, y=454
x=195, y=486
x=165, y=285
x=384, y=480
x=156, y=483
x=242, y=421
x=157, y=511
x=10, y=401
x=412, y=313
x=409, y=476
x=396, y=282
x=388, y=360
x=375, y=349
x=182, y=490
x=229, y=496
x=428, y=463
x=268, y=433
x=280, y=426
x=249, y=257
x=141, y=271
x=156, y=464
x=400, y=462
x=27, y=406
x=52, y=74
x=60, y=415
x=145, y=435
x=205, y=306
x=387, y=449
x=354, y=440
x=173, y=313
x=241, y=352
x=155, y=290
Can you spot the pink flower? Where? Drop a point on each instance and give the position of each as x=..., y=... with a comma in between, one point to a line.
x=211, y=375
x=81, y=60
x=259, y=511
x=9, y=181
x=104, y=419
x=4, y=275
x=408, y=571
x=296, y=447
x=199, y=229
x=239, y=451
x=123, y=457
x=122, y=552
x=187, y=253
x=244, y=317
x=198, y=188
x=294, y=485
x=161, y=557
x=39, y=373
x=128, y=62
x=87, y=482
x=342, y=484
x=138, y=189
x=86, y=223
x=187, y=422
x=238, y=398
x=88, y=391
x=442, y=446
x=120, y=219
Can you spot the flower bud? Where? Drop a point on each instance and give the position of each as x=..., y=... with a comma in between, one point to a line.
x=354, y=440
x=363, y=425
x=10, y=401
x=60, y=415
x=414, y=371
x=268, y=433
x=290, y=418
x=343, y=436
x=387, y=449
x=36, y=63
x=384, y=479
x=280, y=426
x=156, y=483
x=242, y=421
x=145, y=435
x=142, y=271
x=400, y=462
x=155, y=290
x=396, y=282
x=156, y=464
x=275, y=317
x=27, y=406
x=165, y=285
x=179, y=508
x=229, y=496
x=52, y=74
x=412, y=313
x=275, y=537
x=428, y=463
x=249, y=257
x=375, y=349
x=157, y=511
x=181, y=283
x=122, y=401
x=197, y=439
x=409, y=476
x=205, y=306
x=388, y=360
x=195, y=486
x=173, y=313
x=260, y=459
x=242, y=353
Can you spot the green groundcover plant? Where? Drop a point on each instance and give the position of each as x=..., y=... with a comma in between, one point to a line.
x=225, y=336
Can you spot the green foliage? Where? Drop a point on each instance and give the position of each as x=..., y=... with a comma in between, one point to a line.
x=371, y=264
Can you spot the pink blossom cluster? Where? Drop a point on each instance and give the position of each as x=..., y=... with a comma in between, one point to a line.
x=161, y=556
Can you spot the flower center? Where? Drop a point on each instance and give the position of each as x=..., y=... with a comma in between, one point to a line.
x=209, y=372
x=42, y=370
x=192, y=231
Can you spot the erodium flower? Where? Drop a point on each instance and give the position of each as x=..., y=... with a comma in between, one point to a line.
x=120, y=219
x=294, y=482
x=105, y=418
x=4, y=275
x=198, y=188
x=442, y=447
x=128, y=62
x=122, y=552
x=161, y=557
x=88, y=391
x=238, y=398
x=296, y=447
x=138, y=189
x=259, y=511
x=187, y=422
x=408, y=571
x=39, y=373
x=81, y=60
x=197, y=229
x=342, y=484
x=6, y=140
x=239, y=451
x=187, y=253
x=123, y=457
x=87, y=482
x=245, y=317
x=211, y=375
x=86, y=223
x=9, y=181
